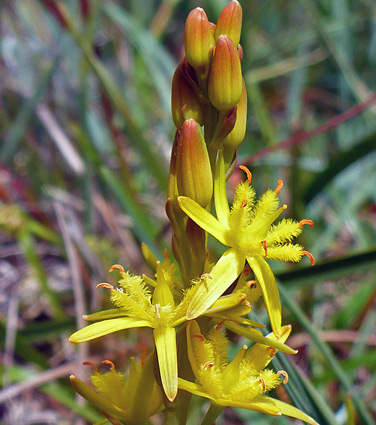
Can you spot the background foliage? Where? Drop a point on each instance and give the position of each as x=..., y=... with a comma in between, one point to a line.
x=86, y=133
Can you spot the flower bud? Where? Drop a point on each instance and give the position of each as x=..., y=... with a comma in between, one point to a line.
x=230, y=22
x=225, y=75
x=198, y=39
x=193, y=172
x=184, y=102
x=236, y=136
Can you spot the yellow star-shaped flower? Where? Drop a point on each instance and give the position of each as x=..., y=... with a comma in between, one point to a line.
x=240, y=383
x=248, y=230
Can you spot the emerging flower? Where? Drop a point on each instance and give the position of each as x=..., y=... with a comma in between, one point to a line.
x=249, y=232
x=162, y=310
x=240, y=383
x=131, y=400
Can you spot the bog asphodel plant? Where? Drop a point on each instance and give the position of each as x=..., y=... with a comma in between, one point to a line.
x=190, y=301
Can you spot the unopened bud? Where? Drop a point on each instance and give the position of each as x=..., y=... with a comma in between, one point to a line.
x=184, y=102
x=198, y=39
x=236, y=136
x=225, y=76
x=193, y=172
x=230, y=22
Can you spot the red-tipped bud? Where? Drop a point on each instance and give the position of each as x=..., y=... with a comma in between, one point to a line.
x=193, y=172
x=230, y=22
x=236, y=136
x=184, y=102
x=198, y=39
x=225, y=76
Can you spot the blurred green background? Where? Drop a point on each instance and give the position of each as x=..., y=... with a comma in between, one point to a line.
x=86, y=132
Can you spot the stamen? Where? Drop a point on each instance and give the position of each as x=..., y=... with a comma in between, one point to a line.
x=262, y=381
x=200, y=337
x=247, y=271
x=205, y=276
x=251, y=284
x=92, y=365
x=104, y=285
x=157, y=307
x=166, y=254
x=220, y=325
x=143, y=355
x=117, y=267
x=249, y=174
x=109, y=362
x=285, y=376
x=279, y=187
x=310, y=256
x=243, y=204
x=265, y=246
x=208, y=364
x=272, y=351
x=305, y=221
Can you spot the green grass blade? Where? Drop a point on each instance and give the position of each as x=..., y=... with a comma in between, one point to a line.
x=329, y=356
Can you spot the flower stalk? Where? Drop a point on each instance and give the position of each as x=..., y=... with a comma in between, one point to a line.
x=192, y=297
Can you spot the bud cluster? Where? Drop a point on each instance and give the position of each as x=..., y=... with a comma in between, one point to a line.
x=209, y=109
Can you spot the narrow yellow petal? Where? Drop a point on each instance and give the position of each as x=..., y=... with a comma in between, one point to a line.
x=192, y=388
x=257, y=336
x=165, y=342
x=256, y=406
x=106, y=327
x=112, y=313
x=227, y=302
x=222, y=208
x=266, y=279
x=205, y=220
x=288, y=410
x=222, y=275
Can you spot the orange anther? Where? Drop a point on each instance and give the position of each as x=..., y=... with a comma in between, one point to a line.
x=305, y=221
x=247, y=271
x=220, y=325
x=285, y=376
x=109, y=362
x=205, y=276
x=92, y=365
x=200, y=337
x=265, y=246
x=143, y=355
x=279, y=187
x=310, y=256
x=208, y=364
x=116, y=267
x=244, y=203
x=104, y=285
x=272, y=351
x=166, y=254
x=251, y=284
x=262, y=381
x=249, y=174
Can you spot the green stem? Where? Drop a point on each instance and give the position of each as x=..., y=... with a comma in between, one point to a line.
x=212, y=414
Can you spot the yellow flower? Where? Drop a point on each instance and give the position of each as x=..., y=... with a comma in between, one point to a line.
x=240, y=383
x=248, y=230
x=131, y=400
x=162, y=310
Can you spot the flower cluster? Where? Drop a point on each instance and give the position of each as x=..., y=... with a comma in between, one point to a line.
x=190, y=300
